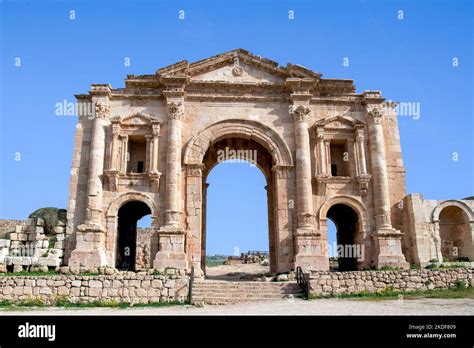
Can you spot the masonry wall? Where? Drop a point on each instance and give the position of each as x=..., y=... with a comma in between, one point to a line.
x=123, y=287
x=325, y=283
x=421, y=227
x=7, y=226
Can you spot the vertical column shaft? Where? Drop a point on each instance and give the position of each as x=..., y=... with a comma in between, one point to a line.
x=322, y=155
x=379, y=171
x=173, y=165
x=361, y=153
x=96, y=168
x=304, y=192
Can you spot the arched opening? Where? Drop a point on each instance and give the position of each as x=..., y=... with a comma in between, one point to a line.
x=347, y=250
x=128, y=216
x=455, y=234
x=332, y=245
x=238, y=206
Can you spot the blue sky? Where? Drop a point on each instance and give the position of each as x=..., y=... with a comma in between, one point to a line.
x=409, y=60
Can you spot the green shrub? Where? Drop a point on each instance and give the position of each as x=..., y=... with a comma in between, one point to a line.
x=51, y=217
x=460, y=284
x=31, y=302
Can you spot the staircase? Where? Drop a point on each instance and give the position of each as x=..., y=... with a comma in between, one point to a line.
x=226, y=292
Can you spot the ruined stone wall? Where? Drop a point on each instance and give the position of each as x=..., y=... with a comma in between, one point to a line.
x=123, y=287
x=28, y=248
x=325, y=283
x=421, y=238
x=7, y=226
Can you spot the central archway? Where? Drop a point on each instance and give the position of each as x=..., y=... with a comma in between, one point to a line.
x=241, y=151
x=273, y=158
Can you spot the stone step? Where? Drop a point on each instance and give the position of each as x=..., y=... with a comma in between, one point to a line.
x=243, y=296
x=246, y=285
x=223, y=292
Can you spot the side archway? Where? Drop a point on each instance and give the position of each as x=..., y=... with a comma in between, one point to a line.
x=352, y=226
x=355, y=204
x=452, y=202
x=453, y=235
x=112, y=219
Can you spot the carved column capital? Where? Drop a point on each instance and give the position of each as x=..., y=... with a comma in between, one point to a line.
x=102, y=109
x=155, y=127
x=299, y=112
x=376, y=114
x=116, y=130
x=175, y=110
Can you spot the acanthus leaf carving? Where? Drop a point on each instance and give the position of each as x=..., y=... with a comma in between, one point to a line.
x=299, y=112
x=175, y=110
x=101, y=109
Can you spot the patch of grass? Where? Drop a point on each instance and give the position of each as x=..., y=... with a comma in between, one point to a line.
x=159, y=304
x=436, y=265
x=384, y=268
x=93, y=304
x=460, y=290
x=64, y=302
x=26, y=273
x=215, y=262
x=31, y=302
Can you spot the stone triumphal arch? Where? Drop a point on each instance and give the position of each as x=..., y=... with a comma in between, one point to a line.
x=326, y=151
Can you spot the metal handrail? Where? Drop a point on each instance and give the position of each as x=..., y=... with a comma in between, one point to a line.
x=302, y=281
x=191, y=283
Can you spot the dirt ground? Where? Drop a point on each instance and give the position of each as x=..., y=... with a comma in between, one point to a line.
x=245, y=271
x=285, y=307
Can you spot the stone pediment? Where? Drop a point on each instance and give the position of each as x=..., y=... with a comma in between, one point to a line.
x=237, y=69
x=339, y=123
x=237, y=66
x=238, y=73
x=136, y=119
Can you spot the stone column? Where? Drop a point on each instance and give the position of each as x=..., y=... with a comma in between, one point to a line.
x=173, y=163
x=124, y=157
x=304, y=192
x=90, y=236
x=363, y=178
x=327, y=146
x=309, y=250
x=322, y=153
x=388, y=239
x=156, y=126
x=171, y=236
x=361, y=153
x=113, y=171
x=115, y=146
x=149, y=153
x=379, y=171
